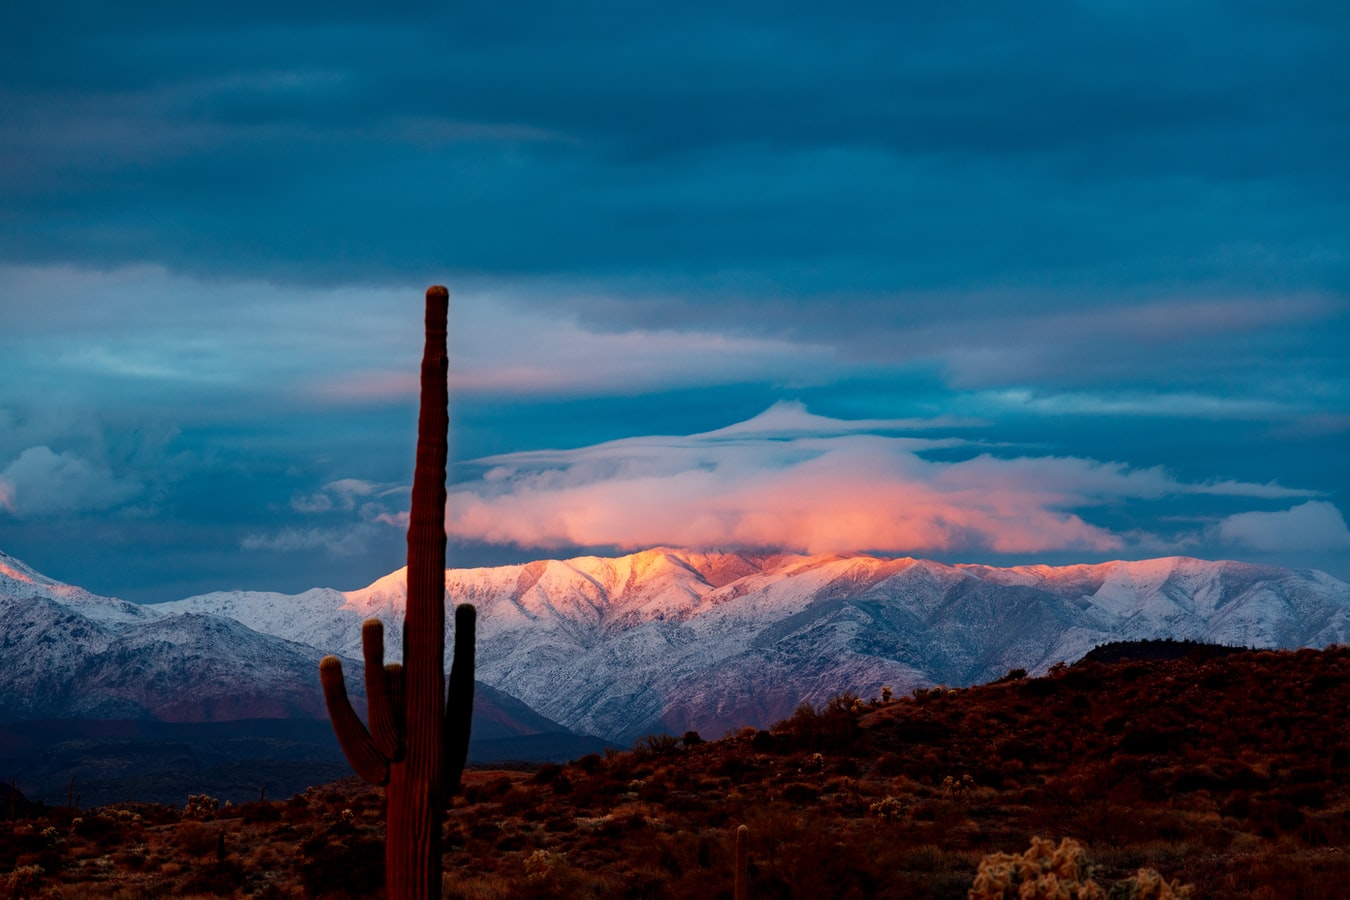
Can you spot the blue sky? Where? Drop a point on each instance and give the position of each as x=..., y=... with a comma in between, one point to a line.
x=1006, y=283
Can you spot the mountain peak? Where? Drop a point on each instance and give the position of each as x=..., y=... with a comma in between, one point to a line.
x=709, y=640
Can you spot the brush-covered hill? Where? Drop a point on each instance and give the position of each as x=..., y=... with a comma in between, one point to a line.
x=1228, y=771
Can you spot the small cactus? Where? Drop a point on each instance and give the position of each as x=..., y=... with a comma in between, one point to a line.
x=200, y=806
x=1049, y=872
x=741, y=886
x=888, y=809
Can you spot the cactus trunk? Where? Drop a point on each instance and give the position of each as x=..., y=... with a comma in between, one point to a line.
x=417, y=739
x=415, y=801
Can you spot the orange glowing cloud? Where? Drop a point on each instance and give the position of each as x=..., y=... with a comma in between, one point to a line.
x=831, y=504
x=814, y=491
x=793, y=481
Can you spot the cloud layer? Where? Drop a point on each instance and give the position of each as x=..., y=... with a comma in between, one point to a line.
x=1050, y=275
x=788, y=479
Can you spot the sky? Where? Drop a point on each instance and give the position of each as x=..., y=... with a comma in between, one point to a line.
x=1042, y=282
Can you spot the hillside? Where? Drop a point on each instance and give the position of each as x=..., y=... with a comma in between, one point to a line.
x=1227, y=771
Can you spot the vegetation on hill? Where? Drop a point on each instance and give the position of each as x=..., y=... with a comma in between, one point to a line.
x=1228, y=772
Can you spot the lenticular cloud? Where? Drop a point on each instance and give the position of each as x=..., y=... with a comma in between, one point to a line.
x=794, y=481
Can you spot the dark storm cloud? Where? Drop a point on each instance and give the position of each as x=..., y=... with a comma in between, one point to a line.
x=1107, y=232
x=784, y=151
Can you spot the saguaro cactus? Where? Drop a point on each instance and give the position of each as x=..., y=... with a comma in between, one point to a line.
x=418, y=737
x=741, y=885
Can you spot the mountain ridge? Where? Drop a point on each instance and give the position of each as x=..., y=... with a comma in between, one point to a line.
x=676, y=640
x=668, y=639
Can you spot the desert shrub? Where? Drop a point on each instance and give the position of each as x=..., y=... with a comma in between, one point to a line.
x=924, y=858
x=800, y=793
x=1022, y=751
x=922, y=695
x=1042, y=687
x=340, y=863
x=201, y=806
x=256, y=812
x=1271, y=818
x=1087, y=678
x=656, y=744
x=847, y=701
x=95, y=826
x=23, y=882
x=691, y=739
x=1049, y=872
x=517, y=800
x=763, y=741
x=832, y=727
x=1147, y=741
x=888, y=809
x=221, y=879
x=197, y=838
x=591, y=762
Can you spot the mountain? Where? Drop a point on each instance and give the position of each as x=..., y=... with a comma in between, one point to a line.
x=156, y=703
x=66, y=653
x=681, y=640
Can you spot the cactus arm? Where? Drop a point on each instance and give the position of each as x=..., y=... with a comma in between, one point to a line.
x=459, y=702
x=357, y=744
x=383, y=727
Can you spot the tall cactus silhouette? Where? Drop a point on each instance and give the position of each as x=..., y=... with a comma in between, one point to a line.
x=418, y=737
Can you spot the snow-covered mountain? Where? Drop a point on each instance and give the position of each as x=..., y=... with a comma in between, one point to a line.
x=66, y=653
x=710, y=641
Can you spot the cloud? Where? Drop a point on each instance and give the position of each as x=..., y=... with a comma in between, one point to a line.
x=343, y=495
x=501, y=344
x=787, y=479
x=336, y=542
x=357, y=509
x=43, y=483
x=1313, y=527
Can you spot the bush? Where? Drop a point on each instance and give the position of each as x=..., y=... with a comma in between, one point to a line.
x=23, y=882
x=656, y=744
x=1047, y=872
x=342, y=865
x=197, y=839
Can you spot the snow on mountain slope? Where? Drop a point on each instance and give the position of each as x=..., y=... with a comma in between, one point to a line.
x=710, y=641
x=67, y=653
x=661, y=639
x=19, y=582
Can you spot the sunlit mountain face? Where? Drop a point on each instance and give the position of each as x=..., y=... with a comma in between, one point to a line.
x=664, y=639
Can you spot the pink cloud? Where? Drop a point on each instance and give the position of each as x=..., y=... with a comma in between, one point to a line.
x=810, y=493
x=790, y=480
